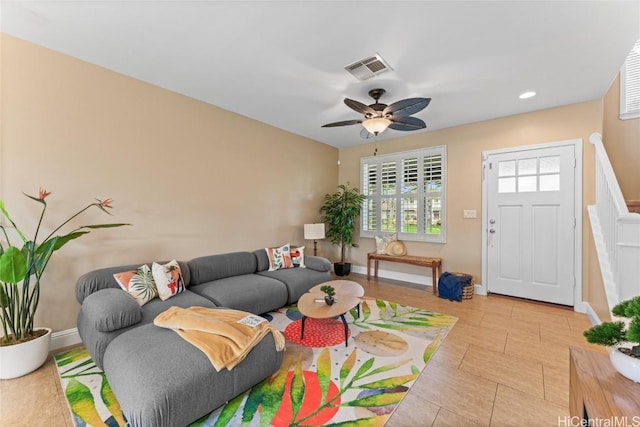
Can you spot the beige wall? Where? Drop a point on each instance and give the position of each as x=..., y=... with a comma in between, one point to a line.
x=193, y=179
x=621, y=139
x=463, y=250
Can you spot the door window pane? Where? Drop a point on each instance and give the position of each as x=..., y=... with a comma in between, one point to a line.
x=550, y=164
x=527, y=166
x=527, y=184
x=507, y=168
x=550, y=182
x=506, y=185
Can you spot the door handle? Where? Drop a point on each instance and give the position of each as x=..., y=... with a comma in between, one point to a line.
x=491, y=230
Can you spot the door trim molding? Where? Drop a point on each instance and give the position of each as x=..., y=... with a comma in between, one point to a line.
x=577, y=209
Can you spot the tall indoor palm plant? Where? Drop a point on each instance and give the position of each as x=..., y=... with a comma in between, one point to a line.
x=340, y=211
x=21, y=268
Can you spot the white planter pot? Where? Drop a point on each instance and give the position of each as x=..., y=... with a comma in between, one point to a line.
x=20, y=359
x=628, y=366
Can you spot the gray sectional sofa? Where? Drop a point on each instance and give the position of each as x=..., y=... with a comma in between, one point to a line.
x=160, y=379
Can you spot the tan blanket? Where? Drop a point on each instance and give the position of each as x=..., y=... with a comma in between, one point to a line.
x=217, y=333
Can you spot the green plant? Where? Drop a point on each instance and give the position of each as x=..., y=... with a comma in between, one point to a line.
x=22, y=268
x=340, y=211
x=328, y=289
x=614, y=333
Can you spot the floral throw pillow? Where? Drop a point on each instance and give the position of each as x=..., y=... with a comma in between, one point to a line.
x=138, y=283
x=168, y=278
x=279, y=257
x=297, y=256
x=383, y=241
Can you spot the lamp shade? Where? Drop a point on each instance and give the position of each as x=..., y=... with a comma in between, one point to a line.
x=376, y=125
x=314, y=231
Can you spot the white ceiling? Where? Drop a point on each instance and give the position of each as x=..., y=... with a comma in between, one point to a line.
x=282, y=62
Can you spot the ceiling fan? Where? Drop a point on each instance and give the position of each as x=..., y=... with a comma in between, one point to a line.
x=378, y=117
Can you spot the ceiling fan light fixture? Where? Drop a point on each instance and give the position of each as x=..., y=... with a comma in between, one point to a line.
x=376, y=125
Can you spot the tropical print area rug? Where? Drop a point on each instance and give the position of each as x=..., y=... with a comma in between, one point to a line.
x=321, y=381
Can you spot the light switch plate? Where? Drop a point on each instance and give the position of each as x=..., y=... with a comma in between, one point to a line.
x=469, y=213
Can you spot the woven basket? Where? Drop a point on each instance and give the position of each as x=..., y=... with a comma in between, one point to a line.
x=467, y=291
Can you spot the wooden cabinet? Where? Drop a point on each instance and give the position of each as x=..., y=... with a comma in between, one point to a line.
x=599, y=393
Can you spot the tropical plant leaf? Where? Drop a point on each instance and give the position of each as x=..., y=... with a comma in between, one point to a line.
x=415, y=370
x=394, y=307
x=62, y=240
x=272, y=396
x=120, y=224
x=228, y=411
x=366, y=311
x=431, y=348
x=389, y=382
x=382, y=399
x=382, y=305
x=364, y=368
x=110, y=401
x=82, y=404
x=13, y=265
x=254, y=399
x=4, y=211
x=346, y=367
x=297, y=390
x=377, y=421
x=387, y=367
x=323, y=369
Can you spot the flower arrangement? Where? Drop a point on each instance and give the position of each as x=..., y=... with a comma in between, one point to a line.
x=21, y=268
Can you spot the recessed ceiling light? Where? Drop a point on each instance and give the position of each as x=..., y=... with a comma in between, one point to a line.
x=526, y=95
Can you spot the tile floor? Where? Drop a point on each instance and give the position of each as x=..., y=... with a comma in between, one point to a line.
x=505, y=363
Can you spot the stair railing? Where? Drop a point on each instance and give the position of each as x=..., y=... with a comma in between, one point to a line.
x=616, y=232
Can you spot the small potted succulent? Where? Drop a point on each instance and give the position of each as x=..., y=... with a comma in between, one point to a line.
x=612, y=334
x=329, y=294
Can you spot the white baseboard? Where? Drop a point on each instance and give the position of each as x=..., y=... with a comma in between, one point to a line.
x=66, y=338
x=585, y=307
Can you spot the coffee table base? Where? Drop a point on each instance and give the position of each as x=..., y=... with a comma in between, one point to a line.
x=344, y=322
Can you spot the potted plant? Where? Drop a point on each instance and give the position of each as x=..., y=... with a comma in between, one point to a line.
x=330, y=293
x=340, y=211
x=625, y=359
x=24, y=348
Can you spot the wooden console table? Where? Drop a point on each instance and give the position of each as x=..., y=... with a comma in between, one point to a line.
x=598, y=391
x=434, y=263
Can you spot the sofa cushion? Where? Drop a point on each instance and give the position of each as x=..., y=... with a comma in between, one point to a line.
x=168, y=278
x=111, y=309
x=297, y=256
x=168, y=382
x=298, y=280
x=96, y=280
x=138, y=283
x=279, y=257
x=214, y=267
x=250, y=292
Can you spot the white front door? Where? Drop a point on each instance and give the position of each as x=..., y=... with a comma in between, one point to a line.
x=530, y=223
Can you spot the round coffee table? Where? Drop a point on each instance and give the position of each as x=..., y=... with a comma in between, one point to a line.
x=312, y=305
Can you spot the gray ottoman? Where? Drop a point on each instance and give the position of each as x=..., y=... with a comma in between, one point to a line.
x=162, y=380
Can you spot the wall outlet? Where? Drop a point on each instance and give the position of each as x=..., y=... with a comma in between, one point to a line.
x=469, y=213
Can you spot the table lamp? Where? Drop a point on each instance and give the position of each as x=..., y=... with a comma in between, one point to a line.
x=314, y=232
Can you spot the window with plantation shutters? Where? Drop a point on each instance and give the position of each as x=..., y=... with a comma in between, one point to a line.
x=405, y=194
x=630, y=85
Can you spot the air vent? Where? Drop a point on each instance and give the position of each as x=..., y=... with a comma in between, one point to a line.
x=368, y=67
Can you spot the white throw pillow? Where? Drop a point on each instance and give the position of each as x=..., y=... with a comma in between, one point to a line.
x=168, y=278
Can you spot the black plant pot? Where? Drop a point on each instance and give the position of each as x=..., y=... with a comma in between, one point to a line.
x=342, y=268
x=329, y=300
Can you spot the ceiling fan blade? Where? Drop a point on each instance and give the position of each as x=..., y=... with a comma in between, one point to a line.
x=359, y=107
x=407, y=123
x=365, y=134
x=344, y=123
x=406, y=107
